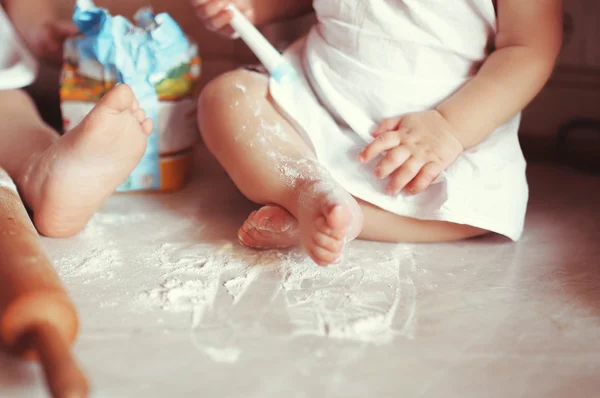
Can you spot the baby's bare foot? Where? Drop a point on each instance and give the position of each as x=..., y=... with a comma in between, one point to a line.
x=270, y=227
x=329, y=217
x=67, y=183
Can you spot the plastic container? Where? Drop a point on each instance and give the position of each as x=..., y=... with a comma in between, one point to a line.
x=163, y=68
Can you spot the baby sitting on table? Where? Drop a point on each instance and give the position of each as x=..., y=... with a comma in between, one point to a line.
x=419, y=139
x=63, y=180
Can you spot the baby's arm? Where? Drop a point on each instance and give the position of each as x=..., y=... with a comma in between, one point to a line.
x=527, y=44
x=260, y=12
x=38, y=23
x=419, y=146
x=30, y=13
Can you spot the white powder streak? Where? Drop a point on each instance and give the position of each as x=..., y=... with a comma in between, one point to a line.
x=354, y=304
x=193, y=280
x=358, y=304
x=227, y=355
x=119, y=219
x=264, y=133
x=98, y=263
x=175, y=295
x=223, y=355
x=238, y=286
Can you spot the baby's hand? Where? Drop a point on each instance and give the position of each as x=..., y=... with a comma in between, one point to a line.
x=46, y=41
x=216, y=16
x=419, y=147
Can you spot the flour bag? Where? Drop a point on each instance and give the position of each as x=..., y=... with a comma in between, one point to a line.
x=162, y=66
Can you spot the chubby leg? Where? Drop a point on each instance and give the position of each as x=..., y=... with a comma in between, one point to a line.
x=270, y=163
x=272, y=227
x=65, y=179
x=383, y=226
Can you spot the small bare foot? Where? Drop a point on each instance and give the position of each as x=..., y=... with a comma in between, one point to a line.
x=270, y=227
x=329, y=217
x=67, y=183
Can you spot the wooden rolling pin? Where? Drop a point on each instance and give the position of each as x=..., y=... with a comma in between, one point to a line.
x=37, y=318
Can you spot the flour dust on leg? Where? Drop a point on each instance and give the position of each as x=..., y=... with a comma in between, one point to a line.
x=329, y=218
x=67, y=183
x=270, y=227
x=270, y=163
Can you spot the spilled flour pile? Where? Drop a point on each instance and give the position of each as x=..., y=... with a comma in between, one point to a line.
x=233, y=294
x=191, y=281
x=357, y=302
x=354, y=303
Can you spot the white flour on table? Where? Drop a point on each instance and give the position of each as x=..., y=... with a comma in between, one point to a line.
x=357, y=302
x=369, y=299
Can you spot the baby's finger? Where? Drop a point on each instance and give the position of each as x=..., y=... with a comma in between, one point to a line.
x=392, y=160
x=402, y=176
x=424, y=179
x=219, y=21
x=248, y=12
x=387, y=125
x=211, y=8
x=227, y=31
x=384, y=142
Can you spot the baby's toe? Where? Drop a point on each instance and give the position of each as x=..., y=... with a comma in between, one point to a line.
x=251, y=217
x=139, y=115
x=264, y=222
x=135, y=105
x=327, y=242
x=247, y=237
x=323, y=257
x=119, y=98
x=323, y=227
x=274, y=218
x=339, y=218
x=147, y=126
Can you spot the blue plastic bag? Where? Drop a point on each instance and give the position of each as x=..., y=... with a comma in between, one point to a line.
x=138, y=55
